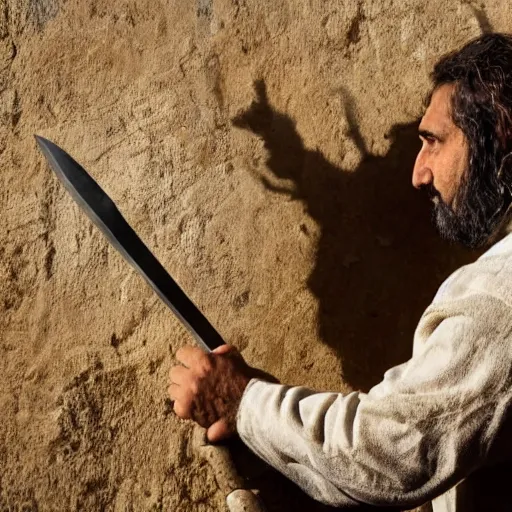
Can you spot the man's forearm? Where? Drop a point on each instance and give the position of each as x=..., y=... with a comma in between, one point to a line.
x=281, y=440
x=347, y=450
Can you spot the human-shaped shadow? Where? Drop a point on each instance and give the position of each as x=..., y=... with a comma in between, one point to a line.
x=379, y=261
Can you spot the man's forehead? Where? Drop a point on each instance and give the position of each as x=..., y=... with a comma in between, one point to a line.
x=438, y=117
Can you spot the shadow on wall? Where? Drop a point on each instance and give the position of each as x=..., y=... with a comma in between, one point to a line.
x=379, y=261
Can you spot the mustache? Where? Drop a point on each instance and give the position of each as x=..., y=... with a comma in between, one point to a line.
x=430, y=191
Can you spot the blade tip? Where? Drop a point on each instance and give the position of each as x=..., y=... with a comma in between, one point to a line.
x=41, y=140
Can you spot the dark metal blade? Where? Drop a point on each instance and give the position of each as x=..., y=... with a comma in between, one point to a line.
x=103, y=212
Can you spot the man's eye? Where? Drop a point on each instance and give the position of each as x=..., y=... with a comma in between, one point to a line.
x=428, y=139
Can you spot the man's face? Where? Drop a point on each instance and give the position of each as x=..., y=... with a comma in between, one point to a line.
x=443, y=158
x=442, y=164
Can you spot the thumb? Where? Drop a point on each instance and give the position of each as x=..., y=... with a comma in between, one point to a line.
x=224, y=349
x=219, y=431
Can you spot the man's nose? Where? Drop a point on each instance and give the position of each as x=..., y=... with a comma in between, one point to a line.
x=422, y=173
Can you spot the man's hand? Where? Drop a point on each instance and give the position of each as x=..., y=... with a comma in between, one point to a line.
x=208, y=388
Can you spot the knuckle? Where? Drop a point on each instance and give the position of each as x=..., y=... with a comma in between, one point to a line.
x=209, y=362
x=194, y=387
x=181, y=411
x=204, y=367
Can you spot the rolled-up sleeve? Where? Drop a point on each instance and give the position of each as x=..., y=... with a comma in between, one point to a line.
x=426, y=426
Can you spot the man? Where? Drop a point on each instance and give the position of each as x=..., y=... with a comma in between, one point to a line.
x=437, y=428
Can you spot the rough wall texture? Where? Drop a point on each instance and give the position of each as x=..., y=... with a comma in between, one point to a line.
x=263, y=150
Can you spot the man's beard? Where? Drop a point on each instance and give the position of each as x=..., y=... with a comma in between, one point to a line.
x=473, y=220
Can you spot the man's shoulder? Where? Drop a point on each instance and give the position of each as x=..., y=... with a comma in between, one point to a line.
x=477, y=298
x=490, y=275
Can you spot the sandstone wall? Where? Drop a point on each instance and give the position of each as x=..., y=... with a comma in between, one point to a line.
x=263, y=151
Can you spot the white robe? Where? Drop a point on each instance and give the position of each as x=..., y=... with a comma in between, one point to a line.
x=436, y=429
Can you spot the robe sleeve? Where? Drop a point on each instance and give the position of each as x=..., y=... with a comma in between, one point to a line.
x=426, y=426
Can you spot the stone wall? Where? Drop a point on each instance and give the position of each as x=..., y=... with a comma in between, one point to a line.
x=263, y=151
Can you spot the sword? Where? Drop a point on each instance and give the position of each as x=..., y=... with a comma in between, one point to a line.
x=103, y=212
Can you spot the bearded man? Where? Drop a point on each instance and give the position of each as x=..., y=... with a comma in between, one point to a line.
x=437, y=430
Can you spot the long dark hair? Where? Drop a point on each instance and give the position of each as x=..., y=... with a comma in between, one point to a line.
x=481, y=73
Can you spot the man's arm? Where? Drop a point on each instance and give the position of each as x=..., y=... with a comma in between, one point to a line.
x=425, y=427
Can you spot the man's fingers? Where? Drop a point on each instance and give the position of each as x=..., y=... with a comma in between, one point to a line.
x=190, y=356
x=178, y=374
x=224, y=349
x=182, y=410
x=181, y=394
x=193, y=357
x=218, y=431
x=207, y=387
x=182, y=399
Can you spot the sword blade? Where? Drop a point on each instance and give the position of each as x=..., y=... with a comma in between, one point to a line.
x=103, y=212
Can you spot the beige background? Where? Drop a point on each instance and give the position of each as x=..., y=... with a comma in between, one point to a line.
x=289, y=220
